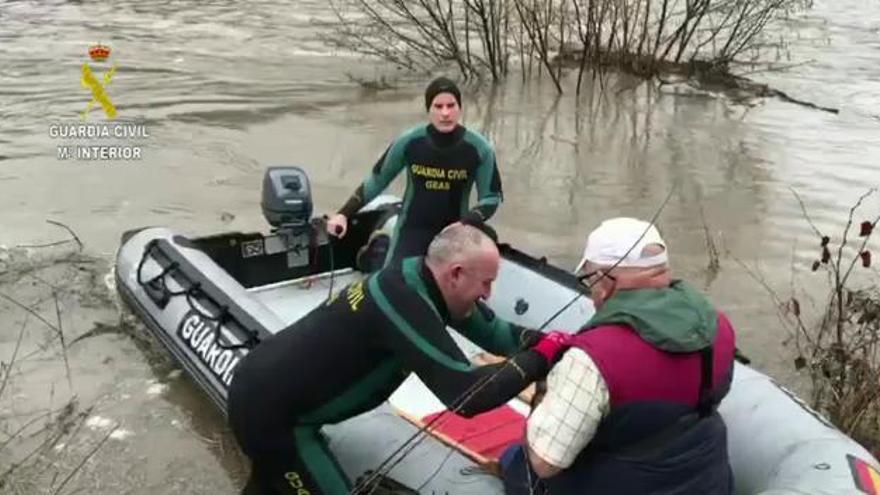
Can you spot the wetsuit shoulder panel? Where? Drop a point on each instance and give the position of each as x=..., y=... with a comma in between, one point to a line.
x=386, y=168
x=488, y=179
x=417, y=329
x=390, y=164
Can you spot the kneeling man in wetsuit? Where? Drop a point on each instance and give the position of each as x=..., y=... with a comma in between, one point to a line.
x=348, y=356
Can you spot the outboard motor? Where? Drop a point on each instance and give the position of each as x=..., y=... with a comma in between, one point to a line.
x=287, y=206
x=287, y=197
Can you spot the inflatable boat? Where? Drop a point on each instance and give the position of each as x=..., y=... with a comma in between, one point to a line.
x=211, y=299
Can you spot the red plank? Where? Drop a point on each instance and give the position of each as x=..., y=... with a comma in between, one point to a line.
x=487, y=435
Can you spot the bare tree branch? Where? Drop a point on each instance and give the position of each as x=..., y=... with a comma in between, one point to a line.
x=11, y=362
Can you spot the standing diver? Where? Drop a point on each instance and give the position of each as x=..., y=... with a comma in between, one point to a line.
x=443, y=160
x=348, y=356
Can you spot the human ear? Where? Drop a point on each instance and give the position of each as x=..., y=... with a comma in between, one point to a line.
x=600, y=292
x=456, y=273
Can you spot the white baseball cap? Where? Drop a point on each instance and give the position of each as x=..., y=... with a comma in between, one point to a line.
x=620, y=241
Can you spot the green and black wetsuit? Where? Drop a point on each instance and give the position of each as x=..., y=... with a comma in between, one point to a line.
x=346, y=357
x=441, y=170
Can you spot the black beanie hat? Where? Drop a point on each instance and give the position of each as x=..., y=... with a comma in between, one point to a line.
x=441, y=85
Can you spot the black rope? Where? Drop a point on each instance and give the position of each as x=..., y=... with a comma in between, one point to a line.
x=332, y=268
x=322, y=226
x=147, y=250
x=149, y=247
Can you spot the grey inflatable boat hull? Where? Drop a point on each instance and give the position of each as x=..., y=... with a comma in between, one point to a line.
x=777, y=444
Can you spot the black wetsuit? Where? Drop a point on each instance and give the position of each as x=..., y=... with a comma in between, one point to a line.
x=346, y=357
x=442, y=168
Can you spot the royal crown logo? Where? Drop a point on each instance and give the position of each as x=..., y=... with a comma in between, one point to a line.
x=99, y=52
x=98, y=88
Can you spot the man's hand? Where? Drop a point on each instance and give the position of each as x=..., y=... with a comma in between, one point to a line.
x=540, y=391
x=476, y=221
x=472, y=217
x=552, y=345
x=337, y=225
x=529, y=337
x=542, y=468
x=491, y=467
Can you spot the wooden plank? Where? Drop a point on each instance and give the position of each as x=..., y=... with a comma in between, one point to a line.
x=473, y=437
x=480, y=438
x=483, y=438
x=464, y=449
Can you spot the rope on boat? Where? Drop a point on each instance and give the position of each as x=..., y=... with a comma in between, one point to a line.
x=194, y=290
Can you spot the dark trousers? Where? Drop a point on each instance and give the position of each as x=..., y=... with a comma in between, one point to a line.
x=518, y=475
x=286, y=458
x=296, y=464
x=696, y=462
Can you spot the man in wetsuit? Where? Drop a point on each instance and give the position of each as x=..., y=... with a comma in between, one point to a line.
x=443, y=161
x=347, y=356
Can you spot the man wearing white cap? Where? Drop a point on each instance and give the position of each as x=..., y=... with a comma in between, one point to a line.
x=631, y=406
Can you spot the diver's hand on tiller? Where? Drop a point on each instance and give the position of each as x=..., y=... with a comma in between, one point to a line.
x=337, y=225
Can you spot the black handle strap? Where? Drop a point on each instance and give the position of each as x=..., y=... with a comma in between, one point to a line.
x=706, y=402
x=158, y=291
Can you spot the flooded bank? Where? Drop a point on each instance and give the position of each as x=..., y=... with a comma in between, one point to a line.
x=90, y=404
x=224, y=93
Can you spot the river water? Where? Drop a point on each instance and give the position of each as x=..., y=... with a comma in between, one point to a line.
x=226, y=91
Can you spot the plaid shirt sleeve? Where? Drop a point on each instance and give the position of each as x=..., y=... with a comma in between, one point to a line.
x=566, y=419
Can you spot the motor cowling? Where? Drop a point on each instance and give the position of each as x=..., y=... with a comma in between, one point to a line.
x=287, y=197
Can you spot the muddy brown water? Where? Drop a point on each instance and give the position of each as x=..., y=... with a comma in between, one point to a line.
x=226, y=91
